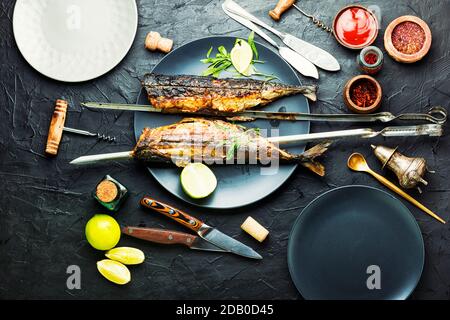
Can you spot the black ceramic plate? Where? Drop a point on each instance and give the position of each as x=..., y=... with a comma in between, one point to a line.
x=343, y=232
x=237, y=185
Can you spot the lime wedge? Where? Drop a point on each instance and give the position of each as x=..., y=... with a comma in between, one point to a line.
x=197, y=180
x=241, y=56
x=114, y=271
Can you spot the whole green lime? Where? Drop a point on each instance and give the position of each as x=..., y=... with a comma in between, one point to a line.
x=102, y=232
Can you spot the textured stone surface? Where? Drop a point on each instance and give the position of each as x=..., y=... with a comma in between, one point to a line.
x=45, y=203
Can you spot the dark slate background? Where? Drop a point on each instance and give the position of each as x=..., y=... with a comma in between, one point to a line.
x=45, y=203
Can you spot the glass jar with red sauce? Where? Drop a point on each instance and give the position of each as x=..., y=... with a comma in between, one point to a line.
x=355, y=27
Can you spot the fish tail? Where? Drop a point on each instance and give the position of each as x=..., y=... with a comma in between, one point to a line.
x=308, y=91
x=307, y=158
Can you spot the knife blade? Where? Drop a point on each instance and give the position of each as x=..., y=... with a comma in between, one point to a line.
x=208, y=233
x=301, y=64
x=316, y=55
x=163, y=236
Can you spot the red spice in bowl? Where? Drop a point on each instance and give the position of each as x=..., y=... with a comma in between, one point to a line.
x=370, y=58
x=362, y=94
x=407, y=39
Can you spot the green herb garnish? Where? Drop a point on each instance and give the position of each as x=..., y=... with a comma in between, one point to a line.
x=222, y=62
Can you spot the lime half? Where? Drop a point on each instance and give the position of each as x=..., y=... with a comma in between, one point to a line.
x=241, y=56
x=197, y=180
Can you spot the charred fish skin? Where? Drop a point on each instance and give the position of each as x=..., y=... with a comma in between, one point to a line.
x=216, y=142
x=189, y=93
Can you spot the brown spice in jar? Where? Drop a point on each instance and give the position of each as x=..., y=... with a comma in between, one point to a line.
x=106, y=191
x=408, y=37
x=363, y=93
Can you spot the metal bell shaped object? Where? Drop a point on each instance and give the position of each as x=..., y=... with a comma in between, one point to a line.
x=409, y=171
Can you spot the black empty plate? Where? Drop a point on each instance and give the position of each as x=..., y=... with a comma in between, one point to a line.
x=343, y=232
x=238, y=185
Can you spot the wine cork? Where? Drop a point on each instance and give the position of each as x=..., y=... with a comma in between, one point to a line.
x=253, y=228
x=106, y=191
x=154, y=42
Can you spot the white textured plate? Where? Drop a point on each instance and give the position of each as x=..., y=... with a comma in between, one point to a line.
x=74, y=40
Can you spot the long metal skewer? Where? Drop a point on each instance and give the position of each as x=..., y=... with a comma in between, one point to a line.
x=436, y=114
x=401, y=131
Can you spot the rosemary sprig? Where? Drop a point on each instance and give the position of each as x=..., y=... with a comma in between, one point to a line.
x=222, y=61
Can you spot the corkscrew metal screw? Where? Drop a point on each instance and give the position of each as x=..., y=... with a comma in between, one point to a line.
x=90, y=134
x=284, y=5
x=316, y=21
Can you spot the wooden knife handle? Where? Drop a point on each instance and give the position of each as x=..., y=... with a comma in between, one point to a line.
x=56, y=127
x=281, y=7
x=179, y=216
x=160, y=235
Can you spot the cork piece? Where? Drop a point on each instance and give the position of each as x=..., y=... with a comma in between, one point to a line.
x=106, y=191
x=253, y=228
x=154, y=42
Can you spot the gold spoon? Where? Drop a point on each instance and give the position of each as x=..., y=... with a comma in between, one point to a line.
x=357, y=162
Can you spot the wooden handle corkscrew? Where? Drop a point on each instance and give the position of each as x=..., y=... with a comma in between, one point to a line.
x=154, y=42
x=56, y=127
x=281, y=7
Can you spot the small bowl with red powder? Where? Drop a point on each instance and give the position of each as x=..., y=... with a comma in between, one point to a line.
x=407, y=39
x=362, y=94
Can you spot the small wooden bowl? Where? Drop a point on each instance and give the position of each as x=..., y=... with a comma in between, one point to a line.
x=353, y=106
x=350, y=46
x=400, y=56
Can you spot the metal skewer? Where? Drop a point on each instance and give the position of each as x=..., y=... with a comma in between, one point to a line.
x=437, y=115
x=433, y=130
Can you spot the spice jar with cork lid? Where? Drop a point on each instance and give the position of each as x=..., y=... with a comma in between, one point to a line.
x=110, y=193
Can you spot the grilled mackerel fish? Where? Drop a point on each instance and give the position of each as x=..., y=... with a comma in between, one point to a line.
x=216, y=141
x=191, y=94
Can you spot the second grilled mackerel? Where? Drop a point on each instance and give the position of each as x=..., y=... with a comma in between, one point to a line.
x=188, y=93
x=217, y=141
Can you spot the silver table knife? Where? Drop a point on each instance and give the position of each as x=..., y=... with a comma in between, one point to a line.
x=302, y=65
x=316, y=55
x=206, y=232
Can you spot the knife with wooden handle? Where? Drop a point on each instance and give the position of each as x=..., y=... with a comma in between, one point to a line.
x=163, y=236
x=208, y=233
